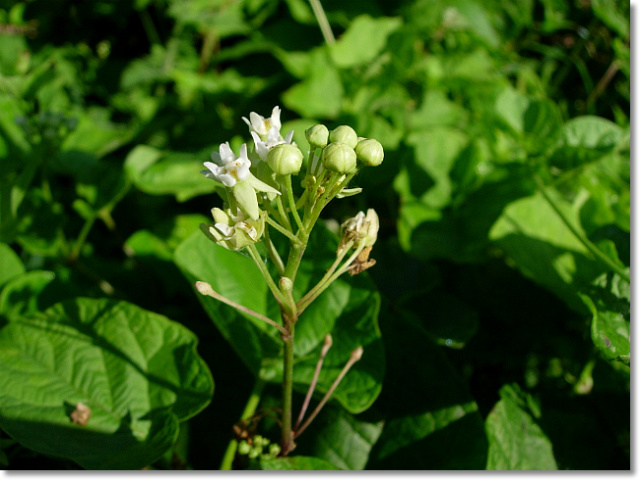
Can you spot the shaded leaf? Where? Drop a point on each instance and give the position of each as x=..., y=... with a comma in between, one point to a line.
x=10, y=264
x=137, y=371
x=516, y=442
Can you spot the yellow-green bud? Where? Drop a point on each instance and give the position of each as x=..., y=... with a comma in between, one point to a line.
x=317, y=136
x=339, y=157
x=344, y=134
x=370, y=152
x=285, y=284
x=285, y=159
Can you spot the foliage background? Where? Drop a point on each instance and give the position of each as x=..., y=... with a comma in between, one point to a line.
x=506, y=335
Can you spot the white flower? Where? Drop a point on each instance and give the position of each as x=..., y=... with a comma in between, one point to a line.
x=262, y=125
x=228, y=169
x=274, y=138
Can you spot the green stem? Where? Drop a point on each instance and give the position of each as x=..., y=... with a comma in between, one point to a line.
x=287, y=389
x=281, y=229
x=295, y=256
x=325, y=28
x=292, y=202
x=253, y=251
x=608, y=262
x=273, y=253
x=326, y=281
x=82, y=237
x=311, y=294
x=283, y=213
x=249, y=410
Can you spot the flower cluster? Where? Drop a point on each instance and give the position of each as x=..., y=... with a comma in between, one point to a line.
x=257, y=180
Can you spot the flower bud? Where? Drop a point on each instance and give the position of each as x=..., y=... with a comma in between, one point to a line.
x=285, y=159
x=285, y=284
x=344, y=134
x=317, y=136
x=370, y=152
x=339, y=157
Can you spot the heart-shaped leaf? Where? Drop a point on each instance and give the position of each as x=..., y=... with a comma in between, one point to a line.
x=137, y=372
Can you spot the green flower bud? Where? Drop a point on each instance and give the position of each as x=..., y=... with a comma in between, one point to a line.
x=244, y=447
x=339, y=157
x=317, y=136
x=274, y=450
x=370, y=152
x=285, y=284
x=344, y=134
x=285, y=159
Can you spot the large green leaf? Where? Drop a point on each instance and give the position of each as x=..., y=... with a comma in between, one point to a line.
x=543, y=248
x=159, y=173
x=348, y=310
x=137, y=371
x=10, y=264
x=516, y=442
x=431, y=420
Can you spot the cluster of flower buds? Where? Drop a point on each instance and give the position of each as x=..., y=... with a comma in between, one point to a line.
x=258, y=175
x=342, y=149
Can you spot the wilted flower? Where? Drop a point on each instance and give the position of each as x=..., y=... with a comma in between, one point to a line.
x=233, y=231
x=361, y=229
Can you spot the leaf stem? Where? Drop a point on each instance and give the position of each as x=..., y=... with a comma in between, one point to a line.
x=603, y=258
x=205, y=289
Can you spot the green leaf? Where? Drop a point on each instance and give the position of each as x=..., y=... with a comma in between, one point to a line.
x=586, y=139
x=427, y=176
x=363, y=41
x=536, y=122
x=516, y=442
x=544, y=249
x=137, y=371
x=609, y=299
x=296, y=463
x=340, y=438
x=437, y=110
x=21, y=295
x=348, y=310
x=158, y=173
x=10, y=264
x=320, y=94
